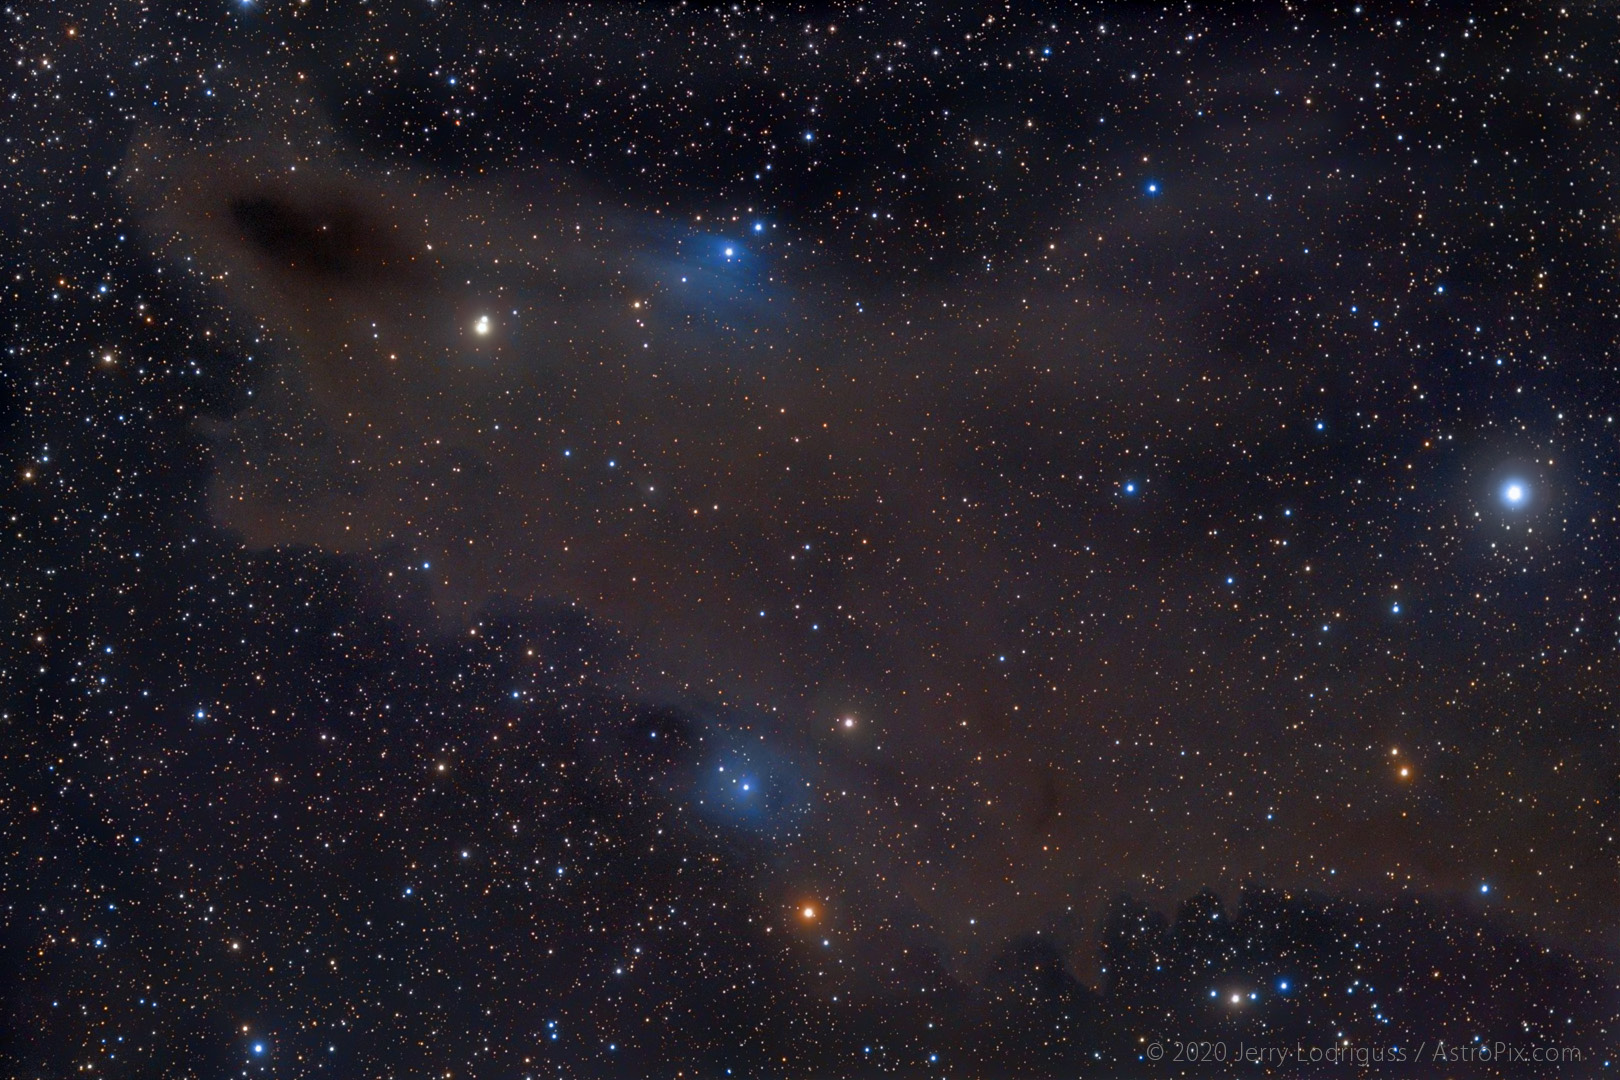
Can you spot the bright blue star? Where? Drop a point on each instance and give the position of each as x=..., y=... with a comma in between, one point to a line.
x=1153, y=187
x=1515, y=492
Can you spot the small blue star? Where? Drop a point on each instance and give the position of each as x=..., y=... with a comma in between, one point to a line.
x=1153, y=187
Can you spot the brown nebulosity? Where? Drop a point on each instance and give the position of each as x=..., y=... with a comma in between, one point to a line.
x=783, y=505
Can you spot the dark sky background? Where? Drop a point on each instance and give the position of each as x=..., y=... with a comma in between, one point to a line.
x=962, y=541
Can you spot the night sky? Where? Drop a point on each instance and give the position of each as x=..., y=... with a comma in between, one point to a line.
x=700, y=541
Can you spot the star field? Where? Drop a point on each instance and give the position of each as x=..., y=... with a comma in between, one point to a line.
x=838, y=540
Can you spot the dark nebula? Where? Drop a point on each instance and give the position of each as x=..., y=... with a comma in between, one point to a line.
x=834, y=541
x=334, y=241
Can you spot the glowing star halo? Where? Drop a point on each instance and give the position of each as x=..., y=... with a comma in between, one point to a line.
x=1515, y=492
